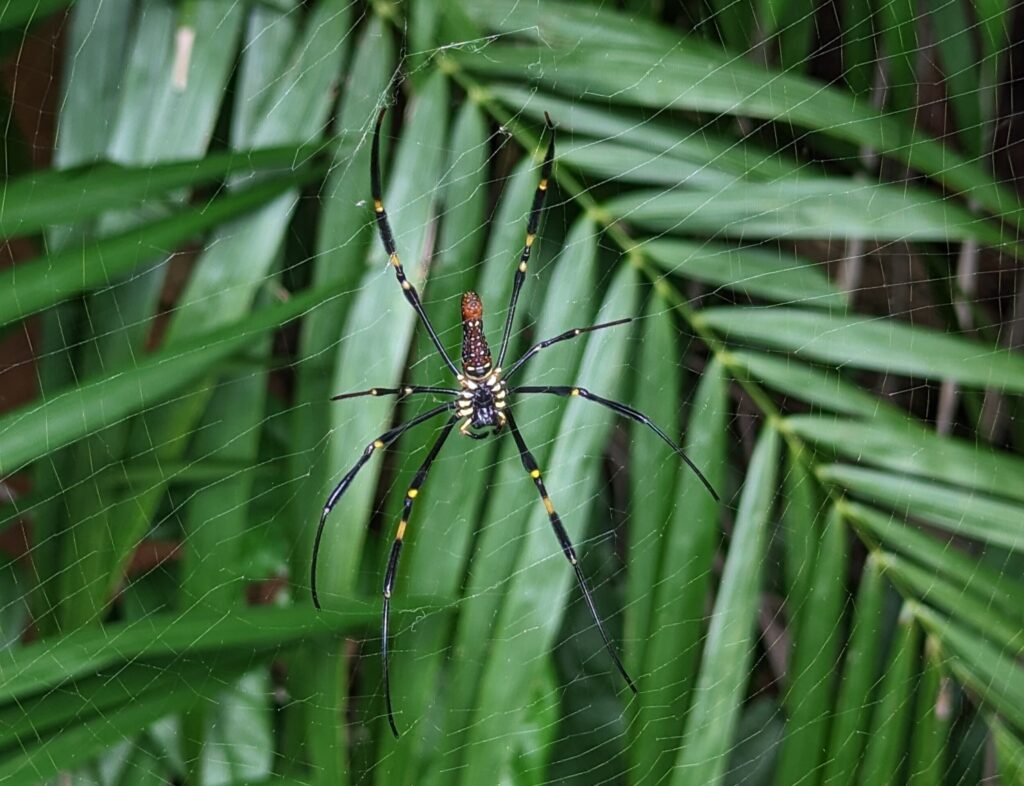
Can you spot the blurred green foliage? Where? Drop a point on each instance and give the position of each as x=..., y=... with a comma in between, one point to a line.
x=804, y=255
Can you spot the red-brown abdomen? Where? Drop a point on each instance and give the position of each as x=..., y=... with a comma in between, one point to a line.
x=476, y=355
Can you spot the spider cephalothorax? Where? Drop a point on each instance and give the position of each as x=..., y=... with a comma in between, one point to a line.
x=481, y=404
x=481, y=401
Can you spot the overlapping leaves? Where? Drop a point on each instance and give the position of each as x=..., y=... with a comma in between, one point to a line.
x=665, y=195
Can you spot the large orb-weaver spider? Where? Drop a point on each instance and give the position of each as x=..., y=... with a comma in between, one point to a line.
x=481, y=402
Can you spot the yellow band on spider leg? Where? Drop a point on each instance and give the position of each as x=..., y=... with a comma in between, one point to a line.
x=401, y=530
x=548, y=506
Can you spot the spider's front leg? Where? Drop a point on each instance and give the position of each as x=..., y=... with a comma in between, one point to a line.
x=379, y=443
x=530, y=465
x=396, y=553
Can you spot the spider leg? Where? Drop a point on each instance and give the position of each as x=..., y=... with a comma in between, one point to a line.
x=380, y=443
x=403, y=390
x=628, y=412
x=569, y=334
x=531, y=233
x=530, y=464
x=387, y=238
x=396, y=553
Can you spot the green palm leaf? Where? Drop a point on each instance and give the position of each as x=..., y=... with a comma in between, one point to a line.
x=203, y=273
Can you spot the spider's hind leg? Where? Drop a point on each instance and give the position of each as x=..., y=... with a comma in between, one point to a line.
x=401, y=391
x=387, y=239
x=532, y=225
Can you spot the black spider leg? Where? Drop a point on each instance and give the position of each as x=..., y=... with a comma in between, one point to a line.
x=531, y=234
x=569, y=334
x=396, y=553
x=388, y=239
x=404, y=390
x=380, y=443
x=628, y=412
x=530, y=464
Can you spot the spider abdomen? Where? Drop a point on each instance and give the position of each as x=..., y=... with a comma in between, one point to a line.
x=476, y=355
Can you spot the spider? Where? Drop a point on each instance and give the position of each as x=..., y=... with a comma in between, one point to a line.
x=481, y=402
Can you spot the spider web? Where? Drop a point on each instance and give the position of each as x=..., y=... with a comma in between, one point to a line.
x=212, y=490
